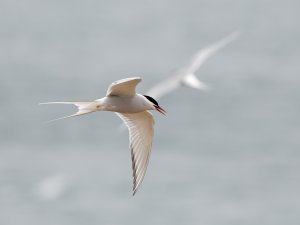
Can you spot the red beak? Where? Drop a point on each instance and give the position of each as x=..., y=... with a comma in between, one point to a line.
x=161, y=110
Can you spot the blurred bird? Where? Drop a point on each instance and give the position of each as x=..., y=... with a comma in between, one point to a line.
x=131, y=107
x=186, y=75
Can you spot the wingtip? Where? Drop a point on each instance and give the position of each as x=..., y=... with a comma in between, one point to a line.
x=134, y=191
x=134, y=188
x=229, y=38
x=234, y=35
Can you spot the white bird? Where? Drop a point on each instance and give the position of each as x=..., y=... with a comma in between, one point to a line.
x=132, y=108
x=186, y=76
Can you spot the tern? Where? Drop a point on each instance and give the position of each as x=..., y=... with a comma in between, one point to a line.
x=186, y=75
x=132, y=108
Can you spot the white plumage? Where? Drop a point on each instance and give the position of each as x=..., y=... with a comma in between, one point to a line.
x=131, y=107
x=186, y=75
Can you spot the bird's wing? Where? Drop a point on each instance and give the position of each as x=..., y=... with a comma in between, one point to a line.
x=203, y=54
x=186, y=76
x=123, y=87
x=141, y=130
x=164, y=87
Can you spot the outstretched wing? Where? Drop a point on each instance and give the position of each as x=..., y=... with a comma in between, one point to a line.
x=164, y=87
x=123, y=87
x=202, y=55
x=141, y=130
x=186, y=75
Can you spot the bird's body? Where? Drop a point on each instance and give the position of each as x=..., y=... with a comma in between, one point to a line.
x=123, y=104
x=186, y=75
x=131, y=107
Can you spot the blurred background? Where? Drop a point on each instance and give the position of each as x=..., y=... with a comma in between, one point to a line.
x=228, y=156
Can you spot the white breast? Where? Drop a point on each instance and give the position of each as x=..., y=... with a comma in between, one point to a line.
x=125, y=104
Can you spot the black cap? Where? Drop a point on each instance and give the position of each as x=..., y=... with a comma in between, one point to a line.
x=151, y=100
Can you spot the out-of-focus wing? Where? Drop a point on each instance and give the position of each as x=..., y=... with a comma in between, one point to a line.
x=186, y=75
x=172, y=83
x=202, y=55
x=164, y=87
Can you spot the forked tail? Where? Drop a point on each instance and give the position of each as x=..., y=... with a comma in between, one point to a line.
x=83, y=108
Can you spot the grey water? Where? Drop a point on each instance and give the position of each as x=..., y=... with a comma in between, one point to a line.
x=228, y=156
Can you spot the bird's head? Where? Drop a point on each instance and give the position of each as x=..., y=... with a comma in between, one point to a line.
x=155, y=104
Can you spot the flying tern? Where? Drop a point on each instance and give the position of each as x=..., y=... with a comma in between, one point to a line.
x=186, y=75
x=132, y=108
